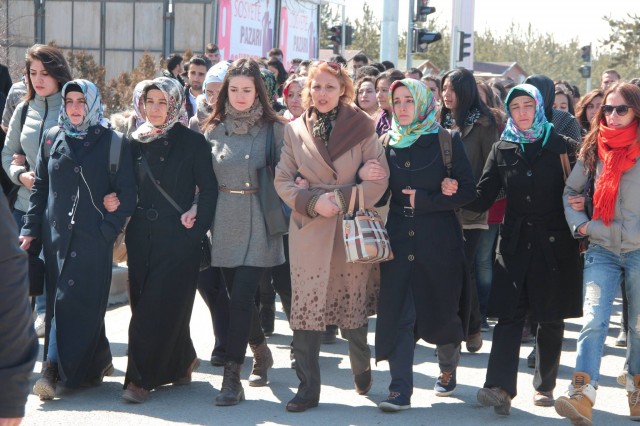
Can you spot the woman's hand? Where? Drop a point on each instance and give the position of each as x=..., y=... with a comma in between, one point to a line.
x=18, y=160
x=302, y=183
x=577, y=202
x=188, y=218
x=111, y=202
x=449, y=186
x=372, y=170
x=25, y=242
x=326, y=205
x=583, y=229
x=27, y=179
x=412, y=196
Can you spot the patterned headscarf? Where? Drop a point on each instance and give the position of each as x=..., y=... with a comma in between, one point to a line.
x=270, y=83
x=424, y=119
x=137, y=96
x=174, y=93
x=93, y=110
x=540, y=125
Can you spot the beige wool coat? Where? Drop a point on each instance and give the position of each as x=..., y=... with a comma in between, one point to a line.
x=325, y=288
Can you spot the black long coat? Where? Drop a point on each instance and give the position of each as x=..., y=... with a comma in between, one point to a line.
x=66, y=210
x=428, y=248
x=535, y=245
x=164, y=256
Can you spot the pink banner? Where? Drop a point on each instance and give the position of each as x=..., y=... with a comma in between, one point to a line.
x=245, y=28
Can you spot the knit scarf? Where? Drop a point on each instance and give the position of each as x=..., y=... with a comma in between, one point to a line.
x=239, y=122
x=450, y=122
x=323, y=126
x=618, y=150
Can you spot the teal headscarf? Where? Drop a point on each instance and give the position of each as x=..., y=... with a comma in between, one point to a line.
x=540, y=125
x=424, y=119
x=93, y=110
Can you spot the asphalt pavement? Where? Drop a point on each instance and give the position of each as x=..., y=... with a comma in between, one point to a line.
x=339, y=403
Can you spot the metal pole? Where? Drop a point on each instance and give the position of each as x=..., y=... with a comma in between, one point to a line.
x=410, y=34
x=591, y=66
x=343, y=32
x=389, y=32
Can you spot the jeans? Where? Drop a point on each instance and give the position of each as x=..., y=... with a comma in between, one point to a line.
x=603, y=273
x=244, y=325
x=41, y=301
x=485, y=256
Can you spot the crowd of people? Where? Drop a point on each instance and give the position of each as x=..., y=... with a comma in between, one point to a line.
x=505, y=203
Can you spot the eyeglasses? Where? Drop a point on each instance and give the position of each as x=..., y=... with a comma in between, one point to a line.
x=621, y=110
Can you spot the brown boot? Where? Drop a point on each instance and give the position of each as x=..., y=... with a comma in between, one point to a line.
x=497, y=398
x=45, y=387
x=578, y=403
x=262, y=362
x=634, y=399
x=231, y=392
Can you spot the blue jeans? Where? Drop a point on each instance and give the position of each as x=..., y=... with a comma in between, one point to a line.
x=485, y=255
x=41, y=301
x=603, y=273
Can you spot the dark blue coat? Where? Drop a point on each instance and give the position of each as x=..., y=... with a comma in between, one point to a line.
x=66, y=211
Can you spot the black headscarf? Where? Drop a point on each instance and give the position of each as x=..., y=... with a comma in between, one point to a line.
x=548, y=91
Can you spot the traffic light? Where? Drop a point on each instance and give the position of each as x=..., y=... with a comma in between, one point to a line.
x=586, y=53
x=423, y=9
x=585, y=71
x=423, y=38
x=336, y=38
x=463, y=45
x=348, y=35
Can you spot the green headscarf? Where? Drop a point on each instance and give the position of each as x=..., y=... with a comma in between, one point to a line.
x=424, y=119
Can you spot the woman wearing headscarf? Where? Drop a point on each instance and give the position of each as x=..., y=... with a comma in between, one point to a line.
x=326, y=147
x=163, y=244
x=77, y=232
x=271, y=85
x=537, y=264
x=138, y=116
x=422, y=288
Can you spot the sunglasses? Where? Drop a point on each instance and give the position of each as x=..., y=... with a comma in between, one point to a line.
x=621, y=110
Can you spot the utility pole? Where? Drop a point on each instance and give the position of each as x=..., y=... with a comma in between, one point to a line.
x=410, y=35
x=389, y=32
x=343, y=32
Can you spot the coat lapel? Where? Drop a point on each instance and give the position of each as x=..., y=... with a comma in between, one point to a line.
x=310, y=142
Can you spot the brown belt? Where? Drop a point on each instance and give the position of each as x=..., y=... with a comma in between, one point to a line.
x=238, y=191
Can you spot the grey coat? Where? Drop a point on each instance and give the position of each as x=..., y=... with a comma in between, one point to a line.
x=623, y=235
x=239, y=235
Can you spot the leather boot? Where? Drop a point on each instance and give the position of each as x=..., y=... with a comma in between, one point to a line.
x=45, y=387
x=634, y=399
x=231, y=392
x=262, y=362
x=578, y=404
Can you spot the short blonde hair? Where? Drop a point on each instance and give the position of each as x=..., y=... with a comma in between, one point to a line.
x=338, y=72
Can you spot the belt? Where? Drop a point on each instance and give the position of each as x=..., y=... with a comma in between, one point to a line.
x=154, y=214
x=238, y=191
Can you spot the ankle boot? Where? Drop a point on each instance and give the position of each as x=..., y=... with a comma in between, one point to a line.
x=231, y=392
x=45, y=387
x=578, y=404
x=634, y=399
x=262, y=362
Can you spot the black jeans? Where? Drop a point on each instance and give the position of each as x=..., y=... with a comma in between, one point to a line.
x=214, y=293
x=244, y=325
x=471, y=240
x=505, y=351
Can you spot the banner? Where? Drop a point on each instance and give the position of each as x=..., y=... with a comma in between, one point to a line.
x=298, y=30
x=245, y=28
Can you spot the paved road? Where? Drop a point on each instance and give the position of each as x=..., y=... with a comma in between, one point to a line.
x=339, y=403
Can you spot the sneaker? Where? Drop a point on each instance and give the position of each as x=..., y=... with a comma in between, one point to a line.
x=395, y=402
x=634, y=399
x=40, y=325
x=497, y=398
x=474, y=342
x=531, y=359
x=621, y=340
x=446, y=383
x=45, y=387
x=484, y=327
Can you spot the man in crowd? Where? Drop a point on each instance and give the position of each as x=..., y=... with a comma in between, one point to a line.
x=198, y=67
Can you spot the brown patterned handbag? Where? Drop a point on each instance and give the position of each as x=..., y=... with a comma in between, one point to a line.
x=365, y=237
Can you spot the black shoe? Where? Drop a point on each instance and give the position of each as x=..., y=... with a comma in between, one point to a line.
x=395, y=402
x=531, y=359
x=217, y=360
x=363, y=381
x=299, y=404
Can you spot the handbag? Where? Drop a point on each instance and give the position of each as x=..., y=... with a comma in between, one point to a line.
x=205, y=250
x=272, y=207
x=365, y=238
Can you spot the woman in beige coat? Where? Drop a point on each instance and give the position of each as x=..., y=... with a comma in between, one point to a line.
x=326, y=147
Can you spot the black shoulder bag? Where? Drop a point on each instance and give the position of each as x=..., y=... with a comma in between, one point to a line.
x=274, y=217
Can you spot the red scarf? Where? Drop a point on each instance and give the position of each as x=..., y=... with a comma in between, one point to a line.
x=618, y=149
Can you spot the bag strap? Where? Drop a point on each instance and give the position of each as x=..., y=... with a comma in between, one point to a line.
x=566, y=166
x=361, y=197
x=444, y=137
x=352, y=202
x=270, y=154
x=52, y=135
x=115, y=152
x=23, y=114
x=147, y=170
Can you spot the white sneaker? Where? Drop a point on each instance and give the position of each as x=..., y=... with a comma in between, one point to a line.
x=39, y=325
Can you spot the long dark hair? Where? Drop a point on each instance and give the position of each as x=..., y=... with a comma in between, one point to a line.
x=53, y=61
x=466, y=89
x=583, y=105
x=589, y=148
x=246, y=67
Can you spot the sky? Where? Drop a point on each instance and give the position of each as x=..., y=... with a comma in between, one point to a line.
x=565, y=19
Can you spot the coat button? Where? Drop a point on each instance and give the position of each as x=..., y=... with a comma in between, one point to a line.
x=56, y=166
x=528, y=246
x=55, y=194
x=528, y=198
x=529, y=224
x=86, y=144
x=97, y=131
x=411, y=258
x=69, y=226
x=407, y=164
x=411, y=233
x=53, y=223
x=246, y=157
x=247, y=184
x=76, y=169
x=166, y=143
x=529, y=173
x=71, y=283
x=222, y=157
x=73, y=254
x=161, y=159
x=158, y=182
x=73, y=197
x=552, y=239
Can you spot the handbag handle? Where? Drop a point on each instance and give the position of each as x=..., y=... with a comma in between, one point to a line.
x=352, y=201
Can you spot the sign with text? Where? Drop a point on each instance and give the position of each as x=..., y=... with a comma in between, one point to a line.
x=298, y=30
x=245, y=28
